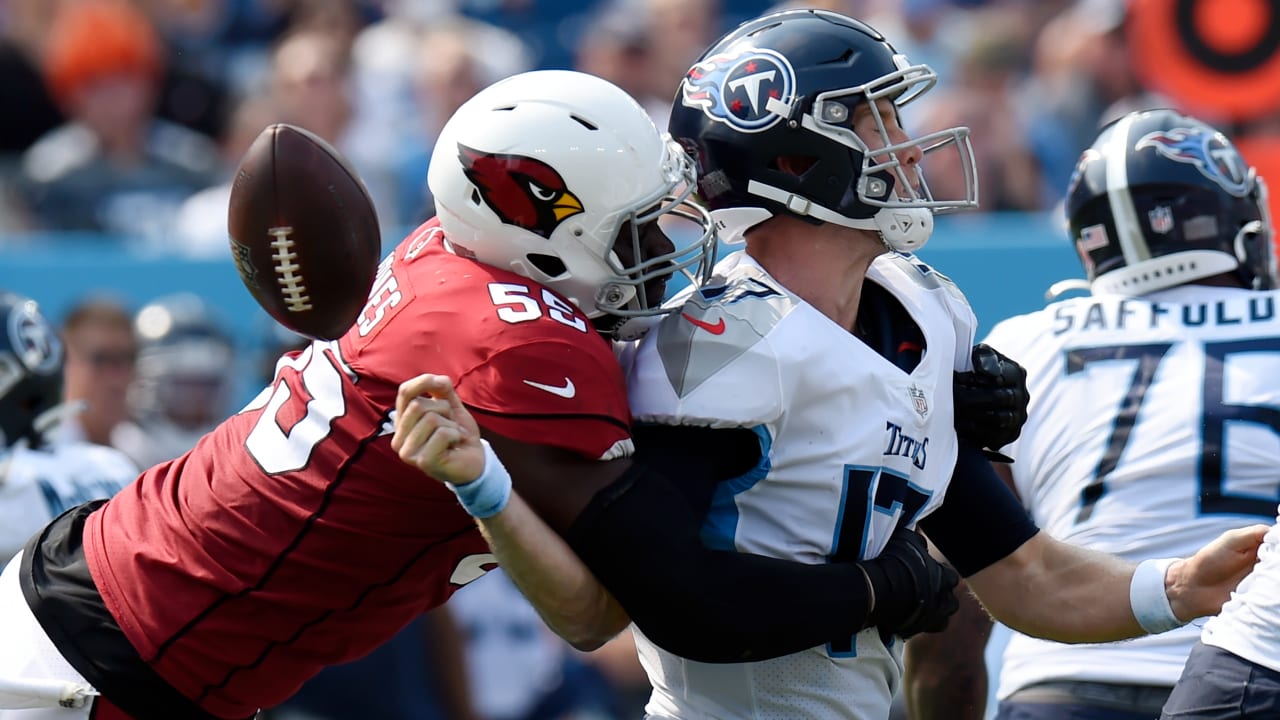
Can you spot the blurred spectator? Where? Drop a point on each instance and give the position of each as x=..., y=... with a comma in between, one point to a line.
x=616, y=46
x=30, y=109
x=194, y=90
x=519, y=669
x=419, y=674
x=679, y=31
x=184, y=379
x=1081, y=79
x=200, y=229
x=312, y=86
x=101, y=353
x=448, y=61
x=980, y=95
x=114, y=166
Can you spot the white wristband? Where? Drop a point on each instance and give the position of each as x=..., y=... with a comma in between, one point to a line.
x=487, y=495
x=1147, y=597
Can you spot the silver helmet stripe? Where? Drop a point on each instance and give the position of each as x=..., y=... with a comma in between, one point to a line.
x=1128, y=233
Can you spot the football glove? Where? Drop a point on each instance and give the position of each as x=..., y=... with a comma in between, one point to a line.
x=914, y=593
x=991, y=401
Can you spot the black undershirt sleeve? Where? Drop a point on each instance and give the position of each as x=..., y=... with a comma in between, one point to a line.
x=710, y=606
x=980, y=521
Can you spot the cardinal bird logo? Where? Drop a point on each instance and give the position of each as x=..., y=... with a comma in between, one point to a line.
x=522, y=191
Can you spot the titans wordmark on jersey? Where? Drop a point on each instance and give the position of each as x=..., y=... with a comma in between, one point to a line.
x=853, y=447
x=1153, y=428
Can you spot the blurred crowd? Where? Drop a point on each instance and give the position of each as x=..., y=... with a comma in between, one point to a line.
x=126, y=117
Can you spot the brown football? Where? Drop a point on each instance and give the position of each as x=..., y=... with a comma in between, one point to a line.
x=303, y=232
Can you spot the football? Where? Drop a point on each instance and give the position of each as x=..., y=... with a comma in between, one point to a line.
x=303, y=232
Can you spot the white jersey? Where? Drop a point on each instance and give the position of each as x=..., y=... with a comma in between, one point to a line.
x=37, y=485
x=1154, y=427
x=1249, y=624
x=853, y=447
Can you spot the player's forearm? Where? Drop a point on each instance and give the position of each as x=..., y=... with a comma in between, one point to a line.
x=558, y=585
x=1078, y=595
x=704, y=605
x=946, y=673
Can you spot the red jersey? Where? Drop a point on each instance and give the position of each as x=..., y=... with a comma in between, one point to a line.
x=292, y=537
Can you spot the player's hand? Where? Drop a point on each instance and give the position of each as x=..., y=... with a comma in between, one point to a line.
x=914, y=593
x=1199, y=585
x=434, y=431
x=991, y=401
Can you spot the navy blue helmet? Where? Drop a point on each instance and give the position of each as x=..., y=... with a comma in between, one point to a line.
x=789, y=84
x=1161, y=199
x=30, y=372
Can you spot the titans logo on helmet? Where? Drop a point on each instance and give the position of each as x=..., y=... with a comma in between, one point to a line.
x=1208, y=151
x=520, y=190
x=735, y=88
x=32, y=340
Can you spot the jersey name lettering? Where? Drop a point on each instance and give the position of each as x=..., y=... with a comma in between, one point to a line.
x=1137, y=314
x=384, y=296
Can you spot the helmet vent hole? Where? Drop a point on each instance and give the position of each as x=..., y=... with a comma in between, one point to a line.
x=475, y=196
x=760, y=30
x=584, y=122
x=550, y=265
x=843, y=59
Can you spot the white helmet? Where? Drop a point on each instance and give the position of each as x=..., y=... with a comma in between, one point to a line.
x=540, y=172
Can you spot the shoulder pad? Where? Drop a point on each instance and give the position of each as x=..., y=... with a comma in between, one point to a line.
x=717, y=324
x=923, y=274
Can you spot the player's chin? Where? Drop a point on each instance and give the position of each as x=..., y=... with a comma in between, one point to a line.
x=655, y=291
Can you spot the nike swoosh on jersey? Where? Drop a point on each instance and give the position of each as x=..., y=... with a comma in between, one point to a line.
x=715, y=328
x=565, y=391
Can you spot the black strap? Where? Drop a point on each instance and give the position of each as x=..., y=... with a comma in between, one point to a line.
x=57, y=586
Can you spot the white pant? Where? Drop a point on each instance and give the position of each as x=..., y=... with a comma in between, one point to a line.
x=36, y=683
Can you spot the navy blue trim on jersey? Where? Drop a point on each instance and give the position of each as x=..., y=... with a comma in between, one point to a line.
x=57, y=586
x=980, y=522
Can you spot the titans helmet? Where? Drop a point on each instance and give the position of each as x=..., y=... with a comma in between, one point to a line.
x=30, y=372
x=790, y=84
x=1161, y=199
x=185, y=363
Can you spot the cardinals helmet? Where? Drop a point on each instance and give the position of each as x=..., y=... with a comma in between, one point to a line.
x=539, y=173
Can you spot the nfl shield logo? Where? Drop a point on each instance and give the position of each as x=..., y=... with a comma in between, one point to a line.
x=918, y=400
x=1161, y=219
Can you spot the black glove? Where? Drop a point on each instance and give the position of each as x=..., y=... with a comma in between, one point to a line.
x=991, y=401
x=914, y=593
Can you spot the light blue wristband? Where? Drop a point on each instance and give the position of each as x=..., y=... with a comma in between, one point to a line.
x=1148, y=599
x=488, y=494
